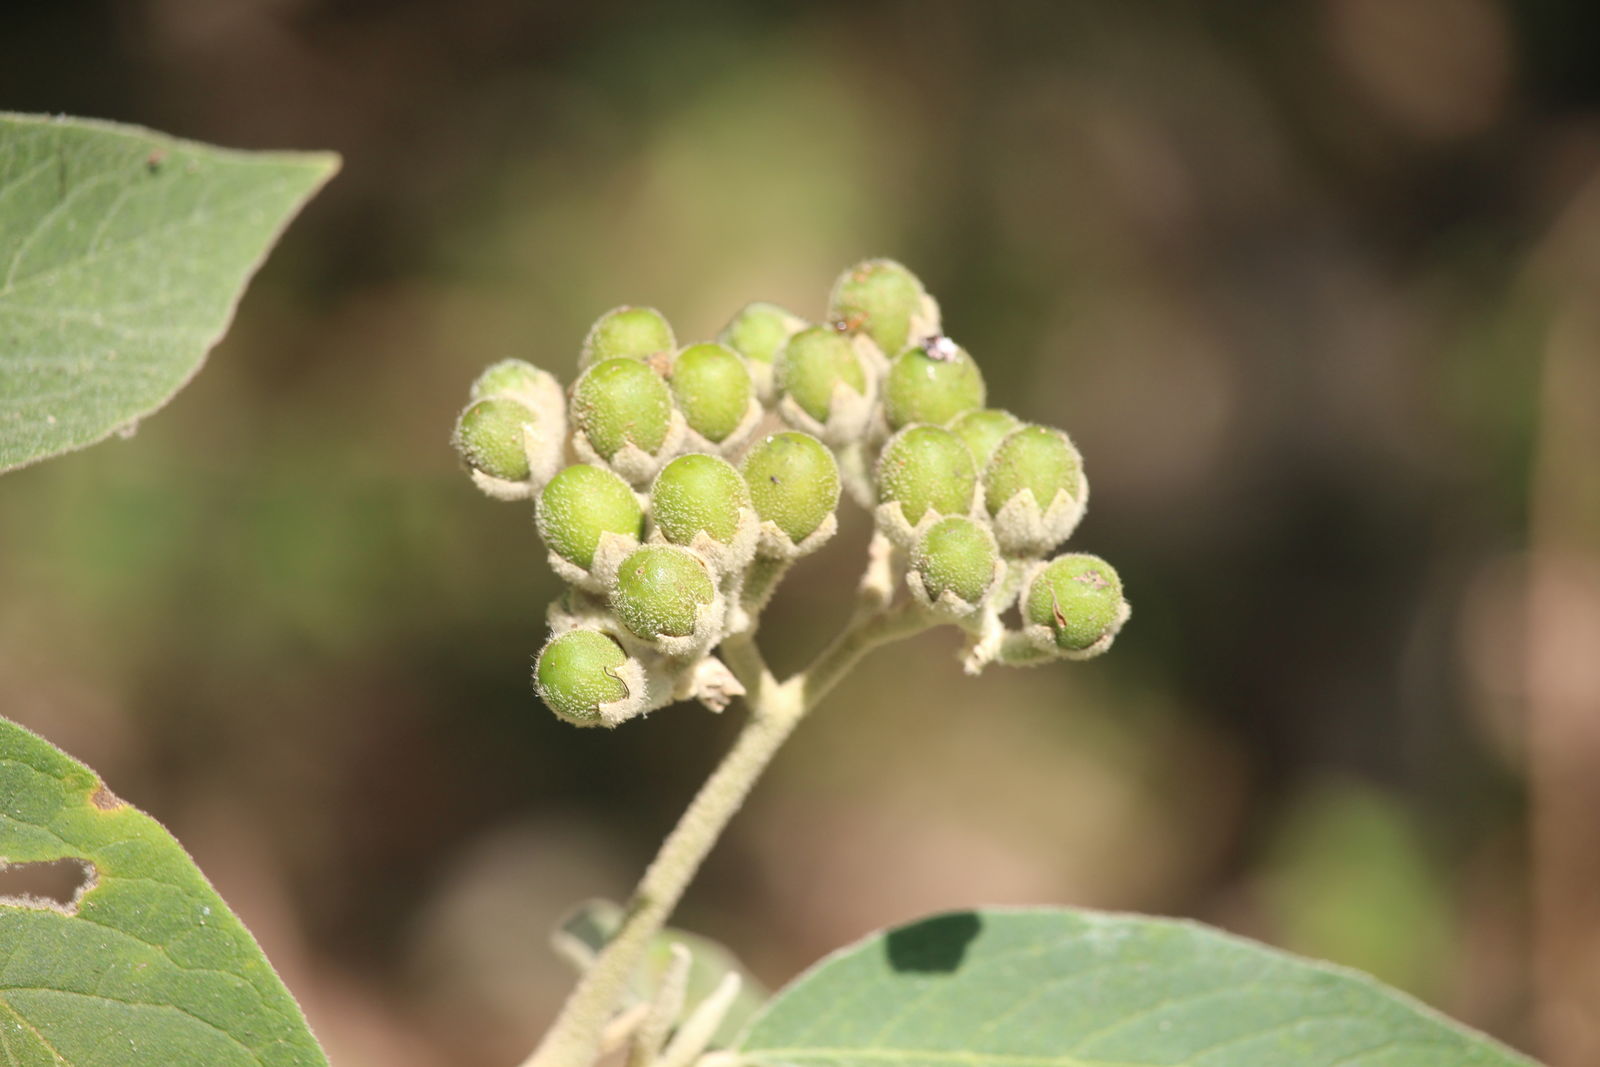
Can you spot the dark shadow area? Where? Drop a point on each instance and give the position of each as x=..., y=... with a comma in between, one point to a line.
x=938, y=944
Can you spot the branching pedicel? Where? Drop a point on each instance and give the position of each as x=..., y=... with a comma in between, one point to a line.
x=704, y=472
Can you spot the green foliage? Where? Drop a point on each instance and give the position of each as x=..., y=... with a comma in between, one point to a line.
x=147, y=965
x=122, y=257
x=123, y=254
x=1079, y=989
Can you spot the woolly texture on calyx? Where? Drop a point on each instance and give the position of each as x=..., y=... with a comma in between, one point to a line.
x=677, y=484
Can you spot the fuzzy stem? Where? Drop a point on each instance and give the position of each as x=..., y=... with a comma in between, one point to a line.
x=760, y=583
x=835, y=661
x=775, y=710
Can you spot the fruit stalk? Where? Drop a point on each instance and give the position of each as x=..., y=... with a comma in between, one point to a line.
x=574, y=1039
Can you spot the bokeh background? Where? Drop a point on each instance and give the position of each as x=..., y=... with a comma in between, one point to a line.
x=1311, y=283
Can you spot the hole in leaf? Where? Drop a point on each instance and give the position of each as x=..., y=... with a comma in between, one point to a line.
x=56, y=884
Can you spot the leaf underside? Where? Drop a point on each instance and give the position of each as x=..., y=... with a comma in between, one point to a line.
x=123, y=254
x=1052, y=988
x=147, y=966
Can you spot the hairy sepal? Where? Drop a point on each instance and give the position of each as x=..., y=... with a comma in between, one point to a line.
x=849, y=413
x=774, y=543
x=708, y=620
x=710, y=682
x=1024, y=529
x=609, y=553
x=1043, y=639
x=731, y=445
x=948, y=603
x=725, y=558
x=632, y=463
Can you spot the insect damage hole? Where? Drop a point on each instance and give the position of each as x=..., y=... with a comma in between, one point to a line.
x=53, y=885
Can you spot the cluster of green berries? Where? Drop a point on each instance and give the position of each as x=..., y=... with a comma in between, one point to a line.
x=674, y=484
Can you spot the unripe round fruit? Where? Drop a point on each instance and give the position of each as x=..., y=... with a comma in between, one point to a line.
x=794, y=482
x=879, y=298
x=932, y=384
x=580, y=504
x=509, y=377
x=1078, y=598
x=697, y=493
x=812, y=363
x=660, y=590
x=489, y=437
x=577, y=672
x=1036, y=458
x=622, y=401
x=712, y=387
x=956, y=555
x=627, y=333
x=759, y=330
x=926, y=468
x=983, y=430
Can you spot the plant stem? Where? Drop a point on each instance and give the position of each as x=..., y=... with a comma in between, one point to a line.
x=861, y=637
x=775, y=710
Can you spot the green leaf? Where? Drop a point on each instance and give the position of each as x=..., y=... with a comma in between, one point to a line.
x=146, y=964
x=583, y=933
x=123, y=254
x=1079, y=989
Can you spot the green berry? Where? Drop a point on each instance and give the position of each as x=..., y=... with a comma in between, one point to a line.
x=983, y=430
x=759, y=330
x=812, y=363
x=627, y=333
x=577, y=672
x=956, y=555
x=660, y=590
x=1038, y=459
x=509, y=377
x=580, y=504
x=1079, y=598
x=698, y=492
x=489, y=437
x=880, y=298
x=794, y=482
x=622, y=401
x=712, y=387
x=932, y=383
x=926, y=468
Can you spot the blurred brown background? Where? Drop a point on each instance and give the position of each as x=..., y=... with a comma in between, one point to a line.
x=1311, y=284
